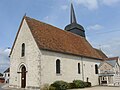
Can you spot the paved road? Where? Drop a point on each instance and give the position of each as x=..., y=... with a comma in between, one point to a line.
x=100, y=88
x=1, y=86
x=92, y=88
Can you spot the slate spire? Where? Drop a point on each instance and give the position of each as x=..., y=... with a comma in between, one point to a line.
x=74, y=27
x=73, y=18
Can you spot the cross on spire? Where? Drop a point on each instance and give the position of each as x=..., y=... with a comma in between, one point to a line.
x=73, y=18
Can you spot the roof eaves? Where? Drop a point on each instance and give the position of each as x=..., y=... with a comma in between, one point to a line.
x=70, y=53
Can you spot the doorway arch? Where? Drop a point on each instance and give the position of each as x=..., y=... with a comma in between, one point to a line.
x=23, y=76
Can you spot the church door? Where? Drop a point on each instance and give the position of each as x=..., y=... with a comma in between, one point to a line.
x=23, y=77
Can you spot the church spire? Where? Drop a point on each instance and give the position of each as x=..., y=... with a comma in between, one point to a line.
x=74, y=27
x=73, y=18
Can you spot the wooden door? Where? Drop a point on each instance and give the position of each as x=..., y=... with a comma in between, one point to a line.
x=23, y=77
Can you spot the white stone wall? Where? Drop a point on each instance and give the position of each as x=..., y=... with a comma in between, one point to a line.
x=30, y=60
x=69, y=68
x=89, y=70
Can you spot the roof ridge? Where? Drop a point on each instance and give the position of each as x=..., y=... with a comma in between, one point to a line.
x=53, y=26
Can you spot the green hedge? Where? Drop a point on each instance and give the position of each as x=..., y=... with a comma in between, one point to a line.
x=51, y=88
x=79, y=84
x=87, y=84
x=71, y=85
x=60, y=85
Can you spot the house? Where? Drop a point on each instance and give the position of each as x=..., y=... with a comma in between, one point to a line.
x=110, y=72
x=43, y=53
x=1, y=78
x=6, y=75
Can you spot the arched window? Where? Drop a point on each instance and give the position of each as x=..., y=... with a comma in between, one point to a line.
x=23, y=50
x=57, y=66
x=78, y=68
x=96, y=69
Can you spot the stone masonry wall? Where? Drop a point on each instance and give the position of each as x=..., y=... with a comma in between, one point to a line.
x=69, y=68
x=30, y=60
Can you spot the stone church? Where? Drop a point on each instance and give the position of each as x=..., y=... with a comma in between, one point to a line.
x=43, y=53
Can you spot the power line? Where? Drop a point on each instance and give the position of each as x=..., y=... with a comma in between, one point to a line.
x=115, y=30
x=106, y=43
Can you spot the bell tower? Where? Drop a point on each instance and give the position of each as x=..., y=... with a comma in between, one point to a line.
x=74, y=27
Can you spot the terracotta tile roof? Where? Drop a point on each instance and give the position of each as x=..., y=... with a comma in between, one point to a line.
x=101, y=53
x=52, y=38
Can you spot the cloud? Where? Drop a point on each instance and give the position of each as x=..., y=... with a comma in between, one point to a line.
x=110, y=2
x=90, y=4
x=64, y=7
x=49, y=19
x=46, y=18
x=95, y=27
x=95, y=4
x=106, y=46
x=109, y=47
x=4, y=59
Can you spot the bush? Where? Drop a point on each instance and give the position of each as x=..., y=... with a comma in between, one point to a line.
x=79, y=84
x=60, y=85
x=87, y=84
x=51, y=88
x=71, y=85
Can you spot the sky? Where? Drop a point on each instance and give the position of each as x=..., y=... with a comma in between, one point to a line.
x=100, y=19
